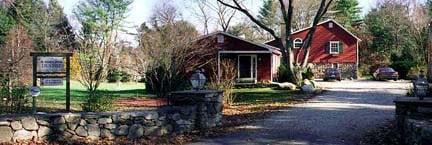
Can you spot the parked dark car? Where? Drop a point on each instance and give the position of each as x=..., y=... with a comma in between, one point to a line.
x=332, y=74
x=386, y=73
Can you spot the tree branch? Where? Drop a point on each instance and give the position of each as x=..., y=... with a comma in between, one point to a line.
x=307, y=43
x=249, y=15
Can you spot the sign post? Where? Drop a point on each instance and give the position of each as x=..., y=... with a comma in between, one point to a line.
x=49, y=67
x=34, y=92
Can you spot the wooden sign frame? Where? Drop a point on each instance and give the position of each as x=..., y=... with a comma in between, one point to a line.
x=65, y=74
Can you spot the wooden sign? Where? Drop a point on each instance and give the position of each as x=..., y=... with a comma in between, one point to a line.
x=50, y=64
x=52, y=82
x=51, y=68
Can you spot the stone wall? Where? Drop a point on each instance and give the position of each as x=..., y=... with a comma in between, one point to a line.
x=418, y=131
x=71, y=127
x=348, y=70
x=414, y=119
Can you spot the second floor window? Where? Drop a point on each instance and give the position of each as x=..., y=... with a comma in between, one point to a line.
x=334, y=47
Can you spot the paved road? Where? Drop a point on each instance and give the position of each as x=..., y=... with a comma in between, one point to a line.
x=342, y=115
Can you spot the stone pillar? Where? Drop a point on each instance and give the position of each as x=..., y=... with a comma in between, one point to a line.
x=209, y=105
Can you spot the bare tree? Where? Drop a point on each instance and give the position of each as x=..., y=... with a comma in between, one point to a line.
x=304, y=12
x=294, y=67
x=14, y=66
x=202, y=14
x=170, y=51
x=101, y=21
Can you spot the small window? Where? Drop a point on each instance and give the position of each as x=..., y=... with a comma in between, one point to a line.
x=334, y=47
x=330, y=25
x=298, y=43
x=220, y=39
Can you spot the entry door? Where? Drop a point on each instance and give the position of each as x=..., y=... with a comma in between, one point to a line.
x=247, y=68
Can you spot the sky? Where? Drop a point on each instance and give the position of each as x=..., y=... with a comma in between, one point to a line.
x=141, y=10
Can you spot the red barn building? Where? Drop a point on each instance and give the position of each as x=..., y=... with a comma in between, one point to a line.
x=332, y=46
x=255, y=62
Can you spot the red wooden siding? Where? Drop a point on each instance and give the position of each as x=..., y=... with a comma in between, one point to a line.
x=264, y=67
x=322, y=36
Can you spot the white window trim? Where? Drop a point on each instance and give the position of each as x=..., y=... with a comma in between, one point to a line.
x=255, y=79
x=338, y=47
x=294, y=42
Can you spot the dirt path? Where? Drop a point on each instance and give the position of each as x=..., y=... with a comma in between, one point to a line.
x=342, y=115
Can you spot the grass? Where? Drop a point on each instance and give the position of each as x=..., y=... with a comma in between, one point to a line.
x=55, y=96
x=256, y=96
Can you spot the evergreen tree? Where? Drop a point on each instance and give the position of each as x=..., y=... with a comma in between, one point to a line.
x=46, y=24
x=6, y=24
x=347, y=12
x=429, y=6
x=269, y=16
x=60, y=29
x=392, y=31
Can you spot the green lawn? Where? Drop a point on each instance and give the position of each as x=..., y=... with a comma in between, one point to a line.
x=265, y=95
x=55, y=96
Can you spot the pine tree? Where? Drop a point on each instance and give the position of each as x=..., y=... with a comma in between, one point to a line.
x=429, y=7
x=347, y=12
x=61, y=30
x=6, y=24
x=269, y=16
x=46, y=24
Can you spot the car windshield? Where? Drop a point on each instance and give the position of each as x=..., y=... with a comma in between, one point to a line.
x=387, y=69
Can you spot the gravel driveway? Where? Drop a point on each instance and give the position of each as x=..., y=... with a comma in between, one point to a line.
x=341, y=115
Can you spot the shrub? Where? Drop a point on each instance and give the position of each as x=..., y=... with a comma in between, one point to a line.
x=125, y=77
x=415, y=71
x=114, y=76
x=402, y=67
x=98, y=102
x=117, y=75
x=284, y=74
x=13, y=100
x=227, y=81
x=308, y=74
x=160, y=81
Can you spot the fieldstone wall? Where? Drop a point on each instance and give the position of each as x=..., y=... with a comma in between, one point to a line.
x=418, y=132
x=72, y=127
x=348, y=70
x=209, y=105
x=414, y=119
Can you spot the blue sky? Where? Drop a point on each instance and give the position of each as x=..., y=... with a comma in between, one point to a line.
x=140, y=11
